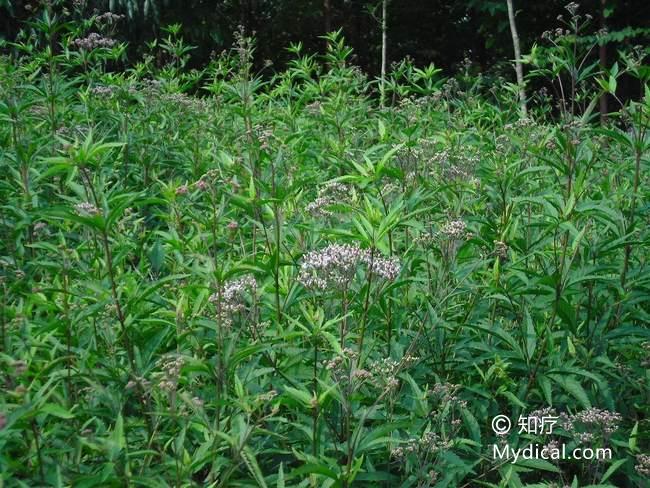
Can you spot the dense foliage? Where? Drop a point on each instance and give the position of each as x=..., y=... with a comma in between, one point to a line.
x=281, y=283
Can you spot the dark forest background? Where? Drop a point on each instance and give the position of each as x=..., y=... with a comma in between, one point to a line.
x=443, y=32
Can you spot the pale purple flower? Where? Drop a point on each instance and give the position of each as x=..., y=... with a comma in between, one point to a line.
x=387, y=268
x=336, y=265
x=454, y=229
x=93, y=41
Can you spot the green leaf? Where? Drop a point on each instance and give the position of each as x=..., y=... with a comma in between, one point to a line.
x=633, y=437
x=612, y=469
x=117, y=440
x=574, y=388
x=280, y=482
x=56, y=411
x=254, y=468
x=301, y=396
x=538, y=464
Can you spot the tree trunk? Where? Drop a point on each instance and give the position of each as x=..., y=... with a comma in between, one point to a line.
x=602, y=55
x=518, y=67
x=327, y=8
x=384, y=51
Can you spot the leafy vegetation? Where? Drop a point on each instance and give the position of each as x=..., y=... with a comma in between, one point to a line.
x=210, y=278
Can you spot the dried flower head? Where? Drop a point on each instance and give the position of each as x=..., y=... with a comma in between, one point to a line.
x=501, y=249
x=572, y=8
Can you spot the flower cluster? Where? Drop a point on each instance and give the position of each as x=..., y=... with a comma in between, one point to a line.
x=143, y=382
x=550, y=447
x=572, y=7
x=585, y=425
x=605, y=420
x=444, y=396
x=185, y=102
x=389, y=188
x=384, y=372
x=454, y=229
x=542, y=413
x=455, y=166
x=429, y=443
x=446, y=393
x=86, y=208
x=109, y=18
x=313, y=108
x=231, y=298
x=171, y=369
x=268, y=396
x=501, y=249
x=206, y=180
x=643, y=464
x=264, y=135
x=93, y=41
x=337, y=364
x=336, y=265
x=102, y=91
x=40, y=228
x=387, y=268
x=328, y=195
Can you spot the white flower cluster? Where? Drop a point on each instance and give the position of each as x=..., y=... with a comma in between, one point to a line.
x=429, y=443
x=86, y=208
x=387, y=268
x=171, y=372
x=333, y=266
x=109, y=18
x=328, y=195
x=454, y=229
x=642, y=465
x=385, y=371
x=447, y=393
x=602, y=419
x=586, y=425
x=336, y=265
x=232, y=297
x=450, y=231
x=102, y=91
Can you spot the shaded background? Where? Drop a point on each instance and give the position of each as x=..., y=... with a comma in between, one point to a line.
x=443, y=32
